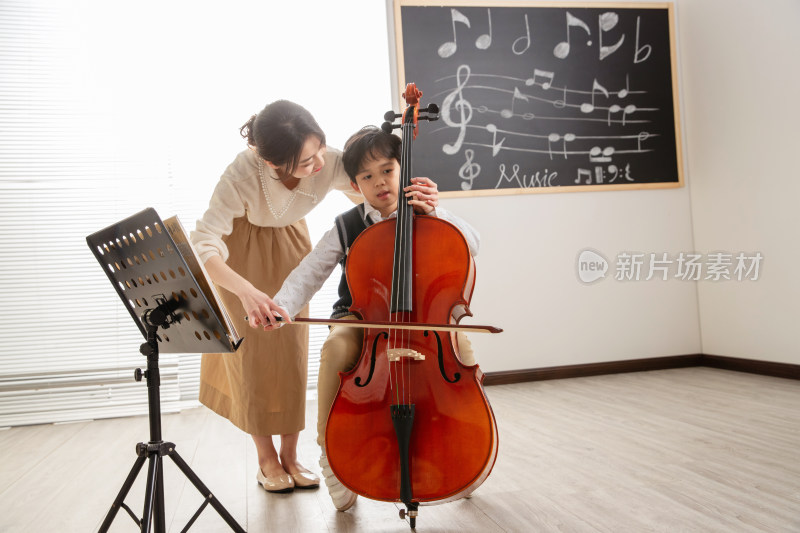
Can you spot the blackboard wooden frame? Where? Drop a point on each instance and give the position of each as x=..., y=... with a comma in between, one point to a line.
x=656, y=155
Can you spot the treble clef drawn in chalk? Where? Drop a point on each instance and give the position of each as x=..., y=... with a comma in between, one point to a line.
x=456, y=99
x=469, y=170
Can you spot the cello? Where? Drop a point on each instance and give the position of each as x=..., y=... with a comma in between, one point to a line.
x=410, y=423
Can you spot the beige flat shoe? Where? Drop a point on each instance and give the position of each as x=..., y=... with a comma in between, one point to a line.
x=305, y=480
x=281, y=483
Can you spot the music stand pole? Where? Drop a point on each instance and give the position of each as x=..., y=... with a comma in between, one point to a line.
x=118, y=248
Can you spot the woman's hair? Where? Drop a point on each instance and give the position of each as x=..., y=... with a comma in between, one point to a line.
x=369, y=142
x=279, y=132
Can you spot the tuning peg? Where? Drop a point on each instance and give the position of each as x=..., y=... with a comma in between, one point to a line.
x=433, y=112
x=389, y=116
x=387, y=127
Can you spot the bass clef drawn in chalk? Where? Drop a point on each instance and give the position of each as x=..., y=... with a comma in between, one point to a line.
x=456, y=100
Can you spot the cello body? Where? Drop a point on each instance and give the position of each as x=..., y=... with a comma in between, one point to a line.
x=453, y=442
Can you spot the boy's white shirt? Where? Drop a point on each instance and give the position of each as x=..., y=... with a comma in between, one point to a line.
x=312, y=272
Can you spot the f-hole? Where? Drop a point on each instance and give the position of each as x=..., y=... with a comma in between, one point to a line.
x=457, y=375
x=372, y=359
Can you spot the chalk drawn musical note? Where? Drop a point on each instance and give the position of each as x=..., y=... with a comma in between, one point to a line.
x=607, y=22
x=508, y=113
x=598, y=155
x=647, y=47
x=449, y=48
x=562, y=49
x=469, y=170
x=485, y=41
x=555, y=137
x=462, y=106
x=587, y=107
x=526, y=37
x=643, y=136
x=491, y=128
x=627, y=110
x=622, y=93
x=611, y=110
x=584, y=172
x=561, y=103
x=544, y=74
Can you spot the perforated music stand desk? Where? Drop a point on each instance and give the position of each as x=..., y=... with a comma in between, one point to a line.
x=164, y=288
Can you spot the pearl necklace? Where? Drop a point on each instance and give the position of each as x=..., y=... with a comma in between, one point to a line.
x=298, y=189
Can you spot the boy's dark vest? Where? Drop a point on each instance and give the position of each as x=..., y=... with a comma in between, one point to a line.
x=349, y=226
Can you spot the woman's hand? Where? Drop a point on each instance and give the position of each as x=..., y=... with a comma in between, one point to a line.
x=423, y=194
x=261, y=309
x=286, y=319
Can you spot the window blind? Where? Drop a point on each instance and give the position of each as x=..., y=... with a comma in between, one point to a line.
x=73, y=161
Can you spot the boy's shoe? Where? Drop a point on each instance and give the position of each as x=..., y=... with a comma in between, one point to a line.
x=343, y=498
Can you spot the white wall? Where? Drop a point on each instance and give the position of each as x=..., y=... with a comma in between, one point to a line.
x=741, y=85
x=527, y=281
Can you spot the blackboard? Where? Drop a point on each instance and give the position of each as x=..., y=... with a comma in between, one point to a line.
x=542, y=97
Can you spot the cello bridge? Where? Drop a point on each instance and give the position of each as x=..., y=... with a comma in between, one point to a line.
x=394, y=354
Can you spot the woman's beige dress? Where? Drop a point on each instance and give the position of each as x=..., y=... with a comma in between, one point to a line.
x=261, y=387
x=256, y=226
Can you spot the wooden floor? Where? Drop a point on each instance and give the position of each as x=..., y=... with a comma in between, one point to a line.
x=685, y=450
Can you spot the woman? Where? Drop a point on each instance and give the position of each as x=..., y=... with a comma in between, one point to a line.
x=252, y=235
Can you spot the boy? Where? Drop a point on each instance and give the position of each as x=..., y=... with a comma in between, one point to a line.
x=372, y=160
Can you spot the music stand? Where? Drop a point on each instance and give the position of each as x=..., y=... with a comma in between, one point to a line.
x=163, y=285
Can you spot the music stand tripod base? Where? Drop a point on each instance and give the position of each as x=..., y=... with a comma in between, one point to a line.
x=136, y=254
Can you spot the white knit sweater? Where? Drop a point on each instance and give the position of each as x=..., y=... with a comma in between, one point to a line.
x=242, y=190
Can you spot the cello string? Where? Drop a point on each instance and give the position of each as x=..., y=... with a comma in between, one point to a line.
x=403, y=221
x=391, y=341
x=409, y=279
x=410, y=237
x=398, y=284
